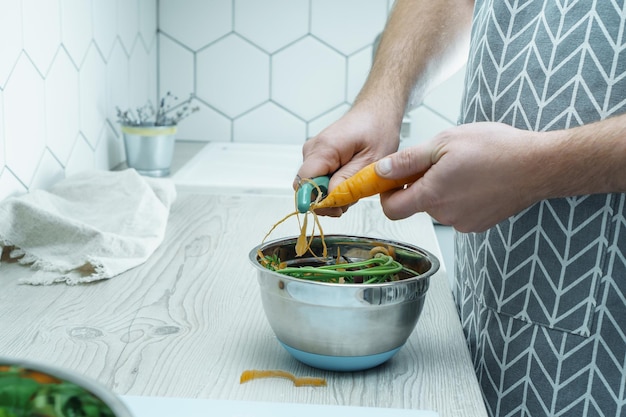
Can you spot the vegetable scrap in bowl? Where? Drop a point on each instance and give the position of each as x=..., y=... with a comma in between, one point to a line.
x=380, y=266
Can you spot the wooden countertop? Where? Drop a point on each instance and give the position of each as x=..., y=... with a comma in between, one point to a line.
x=189, y=321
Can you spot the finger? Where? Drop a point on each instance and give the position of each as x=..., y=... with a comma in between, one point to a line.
x=400, y=204
x=407, y=162
x=316, y=161
x=416, y=198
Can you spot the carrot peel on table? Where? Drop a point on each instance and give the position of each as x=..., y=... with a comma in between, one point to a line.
x=364, y=183
x=249, y=375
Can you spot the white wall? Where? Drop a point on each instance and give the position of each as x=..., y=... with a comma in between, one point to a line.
x=276, y=70
x=64, y=66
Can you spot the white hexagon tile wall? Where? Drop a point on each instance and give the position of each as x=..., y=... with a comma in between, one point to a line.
x=275, y=71
x=64, y=66
x=266, y=71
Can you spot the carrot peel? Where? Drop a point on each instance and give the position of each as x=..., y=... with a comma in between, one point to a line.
x=249, y=375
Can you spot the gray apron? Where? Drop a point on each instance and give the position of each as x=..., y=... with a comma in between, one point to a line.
x=542, y=296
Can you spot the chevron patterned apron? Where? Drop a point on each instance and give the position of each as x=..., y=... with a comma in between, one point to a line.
x=542, y=296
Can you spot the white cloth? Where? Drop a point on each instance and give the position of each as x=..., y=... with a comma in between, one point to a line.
x=89, y=226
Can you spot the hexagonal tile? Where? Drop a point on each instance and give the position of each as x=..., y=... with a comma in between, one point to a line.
x=127, y=22
x=104, y=33
x=143, y=75
x=10, y=185
x=204, y=125
x=446, y=98
x=76, y=28
x=269, y=124
x=42, y=31
x=62, y=109
x=93, y=98
x=48, y=172
x=2, y=152
x=348, y=25
x=176, y=68
x=429, y=124
x=24, y=118
x=195, y=23
x=11, y=35
x=359, y=65
x=308, y=78
x=148, y=21
x=315, y=126
x=81, y=159
x=235, y=75
x=117, y=84
x=108, y=154
x=272, y=24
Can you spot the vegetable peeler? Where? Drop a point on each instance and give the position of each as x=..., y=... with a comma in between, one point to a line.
x=307, y=192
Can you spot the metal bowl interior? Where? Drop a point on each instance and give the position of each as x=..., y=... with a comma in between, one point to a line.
x=343, y=326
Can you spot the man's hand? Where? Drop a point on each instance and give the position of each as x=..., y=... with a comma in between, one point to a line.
x=343, y=148
x=476, y=176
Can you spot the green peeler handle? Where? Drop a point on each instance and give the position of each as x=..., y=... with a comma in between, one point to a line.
x=307, y=192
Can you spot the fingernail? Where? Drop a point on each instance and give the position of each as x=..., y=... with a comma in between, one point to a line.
x=384, y=166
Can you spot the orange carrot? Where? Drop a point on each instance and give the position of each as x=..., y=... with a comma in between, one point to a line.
x=364, y=183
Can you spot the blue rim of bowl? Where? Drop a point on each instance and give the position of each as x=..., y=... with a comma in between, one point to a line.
x=340, y=363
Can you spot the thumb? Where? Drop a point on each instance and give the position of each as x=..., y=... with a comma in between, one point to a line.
x=405, y=163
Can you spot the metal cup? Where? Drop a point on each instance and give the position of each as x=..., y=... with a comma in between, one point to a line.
x=149, y=149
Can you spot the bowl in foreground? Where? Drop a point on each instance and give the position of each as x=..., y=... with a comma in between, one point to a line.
x=343, y=327
x=30, y=388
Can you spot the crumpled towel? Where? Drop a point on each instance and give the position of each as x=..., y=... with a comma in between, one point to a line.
x=90, y=226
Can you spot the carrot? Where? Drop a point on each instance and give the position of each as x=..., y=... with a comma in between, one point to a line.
x=364, y=183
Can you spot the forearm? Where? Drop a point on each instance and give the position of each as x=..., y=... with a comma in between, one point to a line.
x=423, y=43
x=589, y=159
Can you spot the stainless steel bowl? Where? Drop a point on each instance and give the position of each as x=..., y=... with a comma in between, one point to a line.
x=34, y=388
x=343, y=327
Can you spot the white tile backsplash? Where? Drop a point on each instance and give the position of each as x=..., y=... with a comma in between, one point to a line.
x=283, y=127
x=93, y=98
x=2, y=147
x=64, y=66
x=41, y=21
x=127, y=23
x=445, y=100
x=320, y=123
x=196, y=23
x=62, y=106
x=233, y=76
x=359, y=64
x=276, y=71
x=272, y=24
x=319, y=51
x=24, y=119
x=104, y=20
x=347, y=25
x=308, y=78
x=11, y=35
x=76, y=28
x=176, y=68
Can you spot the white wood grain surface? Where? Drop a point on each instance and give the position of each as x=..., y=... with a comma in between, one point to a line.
x=190, y=320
